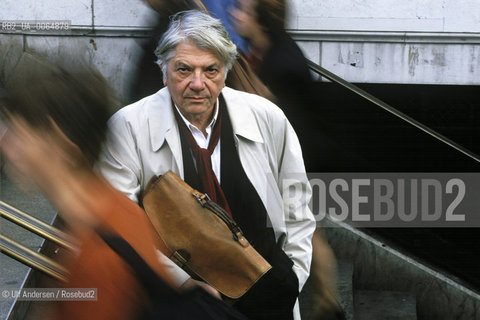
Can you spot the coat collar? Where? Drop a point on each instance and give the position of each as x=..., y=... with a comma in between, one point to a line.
x=161, y=120
x=163, y=127
x=242, y=116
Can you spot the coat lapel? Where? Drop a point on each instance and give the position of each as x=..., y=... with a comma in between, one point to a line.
x=163, y=129
x=242, y=118
x=252, y=155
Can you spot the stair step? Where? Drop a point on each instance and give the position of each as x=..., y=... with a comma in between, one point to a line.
x=384, y=305
x=13, y=273
x=345, y=287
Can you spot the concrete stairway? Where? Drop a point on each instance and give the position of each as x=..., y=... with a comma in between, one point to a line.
x=345, y=288
x=360, y=304
x=13, y=274
x=381, y=305
x=374, y=281
x=389, y=284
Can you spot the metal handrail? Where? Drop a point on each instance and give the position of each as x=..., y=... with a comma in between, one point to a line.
x=336, y=79
x=36, y=226
x=32, y=258
x=26, y=255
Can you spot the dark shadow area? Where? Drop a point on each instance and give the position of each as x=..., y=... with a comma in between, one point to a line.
x=365, y=138
x=386, y=143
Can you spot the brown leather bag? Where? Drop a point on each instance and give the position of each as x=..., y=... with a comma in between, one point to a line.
x=201, y=238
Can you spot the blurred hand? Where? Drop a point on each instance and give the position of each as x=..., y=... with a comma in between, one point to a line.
x=190, y=283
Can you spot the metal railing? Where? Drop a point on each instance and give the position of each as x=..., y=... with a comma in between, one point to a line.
x=46, y=265
x=28, y=256
x=336, y=79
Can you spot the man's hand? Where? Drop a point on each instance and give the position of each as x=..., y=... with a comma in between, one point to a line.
x=190, y=283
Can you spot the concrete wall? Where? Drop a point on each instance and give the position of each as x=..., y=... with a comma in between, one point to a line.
x=389, y=41
x=98, y=13
x=380, y=41
x=386, y=15
x=105, y=32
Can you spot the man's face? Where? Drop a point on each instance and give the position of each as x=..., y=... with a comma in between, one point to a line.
x=194, y=79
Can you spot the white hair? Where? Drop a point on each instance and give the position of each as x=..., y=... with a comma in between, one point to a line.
x=201, y=29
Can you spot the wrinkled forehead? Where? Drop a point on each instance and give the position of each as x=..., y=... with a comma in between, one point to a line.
x=190, y=52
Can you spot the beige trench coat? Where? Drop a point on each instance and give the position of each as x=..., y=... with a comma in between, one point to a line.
x=144, y=141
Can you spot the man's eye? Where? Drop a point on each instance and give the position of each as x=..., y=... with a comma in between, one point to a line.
x=212, y=71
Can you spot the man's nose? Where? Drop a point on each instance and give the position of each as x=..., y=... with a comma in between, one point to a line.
x=197, y=82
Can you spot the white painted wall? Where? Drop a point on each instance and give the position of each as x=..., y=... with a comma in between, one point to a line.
x=79, y=12
x=383, y=41
x=391, y=41
x=102, y=31
x=386, y=15
x=324, y=15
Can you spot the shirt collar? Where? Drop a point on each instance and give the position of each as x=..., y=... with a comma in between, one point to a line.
x=190, y=126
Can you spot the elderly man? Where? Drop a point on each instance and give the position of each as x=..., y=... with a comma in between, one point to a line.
x=239, y=148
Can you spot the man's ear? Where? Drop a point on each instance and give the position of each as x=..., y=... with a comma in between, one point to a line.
x=164, y=79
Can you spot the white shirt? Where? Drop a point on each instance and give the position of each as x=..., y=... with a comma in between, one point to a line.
x=203, y=141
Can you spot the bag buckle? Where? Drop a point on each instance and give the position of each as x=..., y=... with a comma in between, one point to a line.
x=201, y=197
x=180, y=257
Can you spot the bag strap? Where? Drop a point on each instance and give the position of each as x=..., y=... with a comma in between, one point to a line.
x=195, y=303
x=149, y=279
x=205, y=202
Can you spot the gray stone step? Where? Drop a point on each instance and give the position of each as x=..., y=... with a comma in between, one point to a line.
x=12, y=273
x=378, y=266
x=384, y=305
x=345, y=287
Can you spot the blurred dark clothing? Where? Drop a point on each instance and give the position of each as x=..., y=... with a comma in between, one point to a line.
x=285, y=72
x=148, y=77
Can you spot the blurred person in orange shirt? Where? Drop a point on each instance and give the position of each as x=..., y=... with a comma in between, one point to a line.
x=57, y=121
